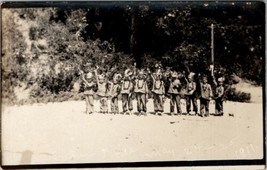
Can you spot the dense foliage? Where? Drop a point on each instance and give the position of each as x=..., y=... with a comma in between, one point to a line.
x=45, y=48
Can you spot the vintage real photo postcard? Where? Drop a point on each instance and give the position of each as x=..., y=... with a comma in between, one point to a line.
x=133, y=84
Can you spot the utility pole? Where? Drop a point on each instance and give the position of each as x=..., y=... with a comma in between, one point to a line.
x=212, y=50
x=132, y=29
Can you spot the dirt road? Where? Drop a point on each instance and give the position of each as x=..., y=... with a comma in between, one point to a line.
x=63, y=133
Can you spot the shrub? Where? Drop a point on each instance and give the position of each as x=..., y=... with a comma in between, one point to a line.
x=233, y=95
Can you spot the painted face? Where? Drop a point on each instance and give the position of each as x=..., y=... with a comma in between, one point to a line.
x=89, y=75
x=116, y=79
x=101, y=79
x=141, y=76
x=205, y=80
x=190, y=79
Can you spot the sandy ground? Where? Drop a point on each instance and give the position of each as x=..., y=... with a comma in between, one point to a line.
x=63, y=133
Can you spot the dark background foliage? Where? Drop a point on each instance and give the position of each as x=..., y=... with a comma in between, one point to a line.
x=45, y=56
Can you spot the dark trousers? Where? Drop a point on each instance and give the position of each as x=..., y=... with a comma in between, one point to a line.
x=204, y=107
x=127, y=102
x=190, y=98
x=158, y=102
x=219, y=106
x=114, y=105
x=175, y=99
x=141, y=102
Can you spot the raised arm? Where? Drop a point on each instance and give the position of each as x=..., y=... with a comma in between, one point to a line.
x=151, y=75
x=96, y=75
x=214, y=80
x=83, y=78
x=211, y=94
x=134, y=69
x=185, y=77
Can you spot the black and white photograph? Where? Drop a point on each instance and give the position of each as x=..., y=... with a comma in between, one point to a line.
x=135, y=84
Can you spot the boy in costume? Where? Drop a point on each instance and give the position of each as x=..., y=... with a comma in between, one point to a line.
x=115, y=89
x=126, y=92
x=191, y=94
x=174, y=93
x=102, y=91
x=219, y=93
x=205, y=97
x=141, y=90
x=158, y=91
x=89, y=91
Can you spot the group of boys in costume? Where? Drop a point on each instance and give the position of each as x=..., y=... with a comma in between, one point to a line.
x=162, y=84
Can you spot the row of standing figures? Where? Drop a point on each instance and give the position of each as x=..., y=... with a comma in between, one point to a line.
x=137, y=83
